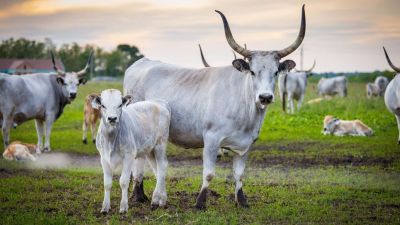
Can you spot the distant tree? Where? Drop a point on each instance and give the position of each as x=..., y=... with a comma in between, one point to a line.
x=116, y=62
x=133, y=52
x=22, y=48
x=74, y=56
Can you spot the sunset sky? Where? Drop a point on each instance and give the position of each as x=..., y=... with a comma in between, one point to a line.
x=341, y=35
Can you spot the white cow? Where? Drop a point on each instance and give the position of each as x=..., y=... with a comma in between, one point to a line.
x=126, y=136
x=392, y=94
x=378, y=87
x=214, y=107
x=293, y=86
x=333, y=86
x=39, y=96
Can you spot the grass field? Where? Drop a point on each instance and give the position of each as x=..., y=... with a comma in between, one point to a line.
x=295, y=174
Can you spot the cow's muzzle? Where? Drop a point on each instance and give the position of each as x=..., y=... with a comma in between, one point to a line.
x=72, y=95
x=266, y=98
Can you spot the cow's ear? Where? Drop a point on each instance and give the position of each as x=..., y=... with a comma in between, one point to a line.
x=127, y=100
x=82, y=81
x=95, y=100
x=336, y=121
x=286, y=65
x=60, y=80
x=241, y=65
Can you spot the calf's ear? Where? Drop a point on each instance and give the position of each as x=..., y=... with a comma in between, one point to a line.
x=95, y=100
x=286, y=65
x=127, y=100
x=241, y=65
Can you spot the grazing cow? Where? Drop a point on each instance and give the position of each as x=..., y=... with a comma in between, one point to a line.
x=339, y=127
x=90, y=117
x=19, y=151
x=378, y=87
x=126, y=136
x=392, y=94
x=215, y=107
x=333, y=86
x=293, y=86
x=37, y=96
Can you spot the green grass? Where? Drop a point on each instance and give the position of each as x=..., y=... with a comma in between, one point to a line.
x=295, y=174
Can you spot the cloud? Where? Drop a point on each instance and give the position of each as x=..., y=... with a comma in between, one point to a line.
x=341, y=35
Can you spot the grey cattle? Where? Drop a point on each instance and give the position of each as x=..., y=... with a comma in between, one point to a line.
x=214, y=107
x=333, y=86
x=128, y=135
x=37, y=96
x=392, y=94
x=293, y=86
x=378, y=87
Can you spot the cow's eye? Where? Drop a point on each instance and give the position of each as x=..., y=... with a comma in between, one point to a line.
x=102, y=106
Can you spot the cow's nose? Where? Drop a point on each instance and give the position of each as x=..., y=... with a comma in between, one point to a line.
x=72, y=95
x=266, y=98
x=112, y=119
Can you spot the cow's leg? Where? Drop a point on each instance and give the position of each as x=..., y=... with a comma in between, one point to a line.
x=124, y=182
x=209, y=160
x=239, y=164
x=300, y=102
x=6, y=126
x=160, y=192
x=93, y=130
x=138, y=194
x=39, y=130
x=398, y=127
x=290, y=103
x=85, y=129
x=49, y=124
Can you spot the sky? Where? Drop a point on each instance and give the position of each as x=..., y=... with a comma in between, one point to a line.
x=342, y=35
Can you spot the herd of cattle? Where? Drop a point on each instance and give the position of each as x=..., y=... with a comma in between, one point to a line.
x=186, y=106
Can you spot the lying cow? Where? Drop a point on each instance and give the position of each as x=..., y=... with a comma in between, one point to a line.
x=293, y=86
x=392, y=98
x=333, y=86
x=20, y=151
x=90, y=117
x=339, y=127
x=126, y=136
x=37, y=96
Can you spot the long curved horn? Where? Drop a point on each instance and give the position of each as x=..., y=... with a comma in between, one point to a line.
x=284, y=52
x=234, y=54
x=60, y=72
x=84, y=70
x=231, y=41
x=397, y=69
x=309, y=70
x=202, y=58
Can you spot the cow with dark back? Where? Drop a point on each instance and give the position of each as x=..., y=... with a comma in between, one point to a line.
x=41, y=97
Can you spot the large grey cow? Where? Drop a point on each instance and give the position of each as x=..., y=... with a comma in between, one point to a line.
x=333, y=86
x=39, y=96
x=293, y=86
x=392, y=94
x=214, y=107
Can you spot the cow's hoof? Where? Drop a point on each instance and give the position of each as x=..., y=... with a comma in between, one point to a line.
x=201, y=199
x=46, y=149
x=94, y=141
x=84, y=141
x=241, y=199
x=105, y=208
x=138, y=194
x=154, y=206
x=123, y=209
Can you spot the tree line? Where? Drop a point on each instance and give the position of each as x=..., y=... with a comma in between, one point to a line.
x=74, y=56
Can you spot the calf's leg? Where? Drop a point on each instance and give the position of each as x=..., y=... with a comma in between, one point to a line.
x=124, y=182
x=39, y=131
x=160, y=192
x=398, y=127
x=84, y=130
x=49, y=124
x=107, y=179
x=138, y=194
